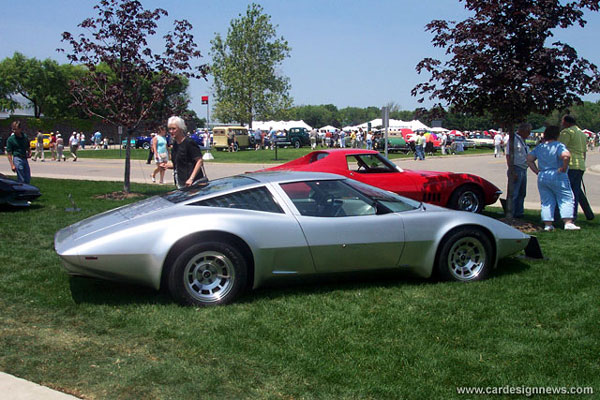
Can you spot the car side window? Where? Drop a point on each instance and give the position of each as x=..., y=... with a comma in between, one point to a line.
x=257, y=199
x=368, y=164
x=328, y=199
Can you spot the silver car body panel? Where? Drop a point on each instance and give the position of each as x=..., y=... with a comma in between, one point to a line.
x=131, y=243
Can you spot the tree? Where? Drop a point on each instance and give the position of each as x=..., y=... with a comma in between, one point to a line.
x=42, y=83
x=500, y=63
x=247, y=84
x=127, y=79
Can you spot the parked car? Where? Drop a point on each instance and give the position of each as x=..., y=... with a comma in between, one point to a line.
x=295, y=137
x=17, y=194
x=33, y=143
x=395, y=144
x=132, y=142
x=482, y=141
x=464, y=192
x=208, y=243
x=144, y=142
x=221, y=133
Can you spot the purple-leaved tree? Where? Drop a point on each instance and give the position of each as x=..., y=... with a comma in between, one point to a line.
x=127, y=79
x=500, y=61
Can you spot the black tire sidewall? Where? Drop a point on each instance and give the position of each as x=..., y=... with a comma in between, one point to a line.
x=176, y=280
x=453, y=203
x=442, y=259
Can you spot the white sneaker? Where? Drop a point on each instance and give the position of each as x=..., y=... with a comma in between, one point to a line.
x=571, y=227
x=548, y=228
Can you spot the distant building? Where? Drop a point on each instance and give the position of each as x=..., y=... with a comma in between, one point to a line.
x=26, y=111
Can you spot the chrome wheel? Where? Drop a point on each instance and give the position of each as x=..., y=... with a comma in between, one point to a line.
x=209, y=276
x=466, y=259
x=468, y=201
x=467, y=198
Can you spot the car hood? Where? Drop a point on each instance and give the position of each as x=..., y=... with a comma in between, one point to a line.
x=109, y=219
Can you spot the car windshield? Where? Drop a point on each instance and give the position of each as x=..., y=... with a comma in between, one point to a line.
x=392, y=201
x=211, y=187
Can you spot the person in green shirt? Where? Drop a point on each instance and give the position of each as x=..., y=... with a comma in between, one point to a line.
x=576, y=142
x=17, y=147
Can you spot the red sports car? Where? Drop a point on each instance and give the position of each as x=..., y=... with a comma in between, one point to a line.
x=448, y=189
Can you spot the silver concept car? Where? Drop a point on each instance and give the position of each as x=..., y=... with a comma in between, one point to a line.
x=208, y=243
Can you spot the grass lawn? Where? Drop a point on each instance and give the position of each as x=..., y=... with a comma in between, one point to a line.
x=533, y=323
x=243, y=156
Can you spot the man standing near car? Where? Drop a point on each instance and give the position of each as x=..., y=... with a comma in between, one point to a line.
x=18, y=150
x=519, y=173
x=576, y=142
x=186, y=155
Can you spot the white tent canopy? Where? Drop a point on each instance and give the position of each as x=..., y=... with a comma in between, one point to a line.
x=279, y=125
x=328, y=128
x=394, y=124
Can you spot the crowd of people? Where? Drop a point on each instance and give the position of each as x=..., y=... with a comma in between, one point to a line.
x=559, y=163
x=558, y=160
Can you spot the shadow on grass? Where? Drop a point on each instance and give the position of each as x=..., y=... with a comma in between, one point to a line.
x=12, y=209
x=96, y=291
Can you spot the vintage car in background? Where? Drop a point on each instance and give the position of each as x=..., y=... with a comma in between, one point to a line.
x=464, y=192
x=240, y=133
x=32, y=143
x=295, y=137
x=395, y=144
x=17, y=194
x=208, y=243
x=484, y=141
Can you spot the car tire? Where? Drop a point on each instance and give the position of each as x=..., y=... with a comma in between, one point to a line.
x=208, y=274
x=466, y=255
x=297, y=144
x=467, y=198
x=146, y=145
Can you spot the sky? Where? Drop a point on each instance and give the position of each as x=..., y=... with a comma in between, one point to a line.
x=348, y=53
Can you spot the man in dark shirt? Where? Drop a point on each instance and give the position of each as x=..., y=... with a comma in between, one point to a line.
x=186, y=156
x=17, y=147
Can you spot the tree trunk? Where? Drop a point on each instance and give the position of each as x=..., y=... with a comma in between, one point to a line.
x=126, y=180
x=511, y=167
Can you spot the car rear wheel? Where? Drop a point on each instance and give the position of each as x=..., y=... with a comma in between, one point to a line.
x=208, y=274
x=467, y=198
x=146, y=145
x=297, y=144
x=466, y=255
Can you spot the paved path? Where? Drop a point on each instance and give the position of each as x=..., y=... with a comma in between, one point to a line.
x=486, y=166
x=13, y=388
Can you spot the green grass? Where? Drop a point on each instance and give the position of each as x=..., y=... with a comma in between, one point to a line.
x=534, y=323
x=243, y=156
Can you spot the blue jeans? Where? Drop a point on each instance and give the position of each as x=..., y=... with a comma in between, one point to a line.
x=555, y=190
x=575, y=178
x=519, y=191
x=23, y=171
x=419, y=152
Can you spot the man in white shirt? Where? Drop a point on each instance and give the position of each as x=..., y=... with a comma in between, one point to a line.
x=497, y=144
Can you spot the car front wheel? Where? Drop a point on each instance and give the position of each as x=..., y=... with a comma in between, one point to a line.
x=208, y=274
x=466, y=255
x=146, y=145
x=297, y=144
x=467, y=198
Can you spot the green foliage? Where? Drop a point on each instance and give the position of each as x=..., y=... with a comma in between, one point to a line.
x=42, y=83
x=246, y=81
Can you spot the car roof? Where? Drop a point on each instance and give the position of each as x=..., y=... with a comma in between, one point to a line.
x=285, y=175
